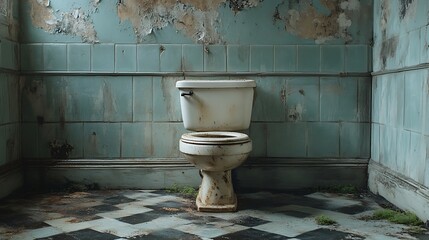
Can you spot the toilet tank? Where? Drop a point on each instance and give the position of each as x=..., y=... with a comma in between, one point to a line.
x=216, y=105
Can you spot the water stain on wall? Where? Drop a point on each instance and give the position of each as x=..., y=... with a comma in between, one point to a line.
x=75, y=23
x=304, y=19
x=404, y=7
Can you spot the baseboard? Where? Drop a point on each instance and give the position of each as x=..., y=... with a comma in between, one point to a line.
x=258, y=174
x=11, y=179
x=403, y=192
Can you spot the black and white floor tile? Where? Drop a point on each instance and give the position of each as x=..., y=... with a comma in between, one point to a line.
x=140, y=214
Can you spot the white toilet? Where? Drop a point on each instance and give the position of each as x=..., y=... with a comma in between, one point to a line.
x=214, y=109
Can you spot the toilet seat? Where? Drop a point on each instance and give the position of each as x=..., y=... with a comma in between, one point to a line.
x=215, y=138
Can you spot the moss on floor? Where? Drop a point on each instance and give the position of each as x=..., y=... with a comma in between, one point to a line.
x=396, y=216
x=183, y=190
x=324, y=220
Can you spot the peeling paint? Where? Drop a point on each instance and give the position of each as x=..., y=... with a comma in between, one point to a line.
x=197, y=19
x=75, y=23
x=238, y=5
x=304, y=20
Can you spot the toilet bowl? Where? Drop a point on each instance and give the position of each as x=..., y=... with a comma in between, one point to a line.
x=216, y=153
x=215, y=109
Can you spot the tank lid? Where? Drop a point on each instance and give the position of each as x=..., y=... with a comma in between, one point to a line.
x=245, y=83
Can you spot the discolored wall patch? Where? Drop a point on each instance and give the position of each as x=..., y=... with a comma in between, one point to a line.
x=304, y=19
x=75, y=23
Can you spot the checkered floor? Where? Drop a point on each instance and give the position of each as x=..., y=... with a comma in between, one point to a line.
x=160, y=215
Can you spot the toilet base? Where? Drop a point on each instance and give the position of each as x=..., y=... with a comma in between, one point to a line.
x=216, y=192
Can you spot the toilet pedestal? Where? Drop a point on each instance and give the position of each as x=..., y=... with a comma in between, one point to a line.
x=216, y=192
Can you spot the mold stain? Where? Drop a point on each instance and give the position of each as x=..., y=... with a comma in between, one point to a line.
x=303, y=19
x=388, y=46
x=404, y=6
x=75, y=22
x=295, y=113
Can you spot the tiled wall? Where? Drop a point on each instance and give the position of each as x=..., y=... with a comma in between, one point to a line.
x=143, y=58
x=117, y=100
x=400, y=115
x=134, y=116
x=10, y=164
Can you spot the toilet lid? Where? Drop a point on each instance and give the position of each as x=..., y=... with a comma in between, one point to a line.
x=215, y=137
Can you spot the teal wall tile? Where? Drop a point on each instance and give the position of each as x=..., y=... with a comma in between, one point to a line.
x=215, y=58
x=403, y=150
x=258, y=134
x=269, y=99
x=3, y=159
x=323, y=139
x=9, y=143
x=375, y=142
x=33, y=98
x=171, y=58
x=354, y=140
x=375, y=99
x=102, y=98
x=55, y=57
x=125, y=58
x=13, y=139
x=148, y=57
x=166, y=100
x=142, y=99
x=103, y=57
x=261, y=58
x=417, y=158
x=79, y=57
x=287, y=140
x=426, y=181
x=388, y=145
x=308, y=58
x=426, y=106
x=364, y=99
x=58, y=99
x=394, y=100
x=29, y=132
x=238, y=58
x=14, y=97
x=332, y=58
x=9, y=54
x=356, y=58
x=424, y=44
x=413, y=105
x=302, y=102
x=338, y=99
x=136, y=140
x=413, y=53
x=57, y=133
x=102, y=140
x=193, y=58
x=165, y=139
x=4, y=99
x=285, y=58
x=31, y=57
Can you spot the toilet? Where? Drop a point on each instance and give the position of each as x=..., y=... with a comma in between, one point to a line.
x=215, y=110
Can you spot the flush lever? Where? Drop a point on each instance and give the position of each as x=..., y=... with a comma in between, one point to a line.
x=190, y=93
